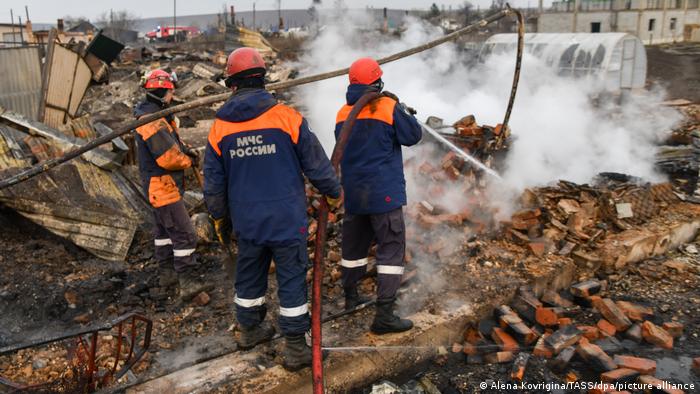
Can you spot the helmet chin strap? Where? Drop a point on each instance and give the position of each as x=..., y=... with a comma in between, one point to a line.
x=162, y=102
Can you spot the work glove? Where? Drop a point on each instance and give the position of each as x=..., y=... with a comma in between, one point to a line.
x=222, y=228
x=334, y=202
x=192, y=153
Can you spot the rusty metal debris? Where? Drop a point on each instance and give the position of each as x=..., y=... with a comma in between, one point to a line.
x=97, y=356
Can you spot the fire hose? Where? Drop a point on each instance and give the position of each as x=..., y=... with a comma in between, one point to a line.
x=42, y=167
x=316, y=321
x=338, y=150
x=336, y=157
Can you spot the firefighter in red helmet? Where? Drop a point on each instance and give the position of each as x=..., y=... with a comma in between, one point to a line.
x=163, y=158
x=375, y=192
x=258, y=153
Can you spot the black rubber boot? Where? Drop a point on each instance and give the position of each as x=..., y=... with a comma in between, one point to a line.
x=353, y=298
x=385, y=321
x=296, y=354
x=251, y=337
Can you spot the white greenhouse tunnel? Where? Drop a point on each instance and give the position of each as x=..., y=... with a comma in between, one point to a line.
x=617, y=60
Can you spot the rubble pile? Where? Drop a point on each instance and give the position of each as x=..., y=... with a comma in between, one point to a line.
x=570, y=219
x=680, y=153
x=579, y=331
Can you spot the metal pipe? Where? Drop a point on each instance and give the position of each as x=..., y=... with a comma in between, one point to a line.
x=47, y=165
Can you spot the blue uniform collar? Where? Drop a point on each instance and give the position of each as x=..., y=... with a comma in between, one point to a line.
x=246, y=104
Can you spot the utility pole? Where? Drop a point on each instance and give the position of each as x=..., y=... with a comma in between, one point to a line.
x=21, y=36
x=174, y=20
x=12, y=22
x=279, y=15
x=26, y=10
x=255, y=27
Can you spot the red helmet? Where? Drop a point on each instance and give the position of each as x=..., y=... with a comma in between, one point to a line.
x=159, y=79
x=365, y=71
x=245, y=61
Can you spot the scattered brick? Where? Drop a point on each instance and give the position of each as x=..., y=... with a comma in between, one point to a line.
x=610, y=345
x=505, y=341
x=553, y=298
x=634, y=333
x=472, y=335
x=635, y=312
x=502, y=310
x=595, y=356
x=538, y=248
x=522, y=220
x=516, y=328
x=612, y=313
x=563, y=337
x=620, y=375
x=606, y=328
x=696, y=365
x=499, y=357
x=564, y=321
x=589, y=332
x=519, y=366
x=675, y=329
x=456, y=347
x=641, y=365
x=586, y=289
x=202, y=299
x=486, y=326
x=526, y=304
x=561, y=362
x=541, y=348
x=660, y=386
x=469, y=349
x=656, y=335
x=546, y=316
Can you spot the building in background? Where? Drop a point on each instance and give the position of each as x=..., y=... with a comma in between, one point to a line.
x=653, y=21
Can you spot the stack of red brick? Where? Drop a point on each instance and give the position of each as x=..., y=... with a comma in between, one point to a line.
x=545, y=328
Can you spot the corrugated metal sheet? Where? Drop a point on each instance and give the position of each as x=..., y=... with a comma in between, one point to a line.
x=20, y=80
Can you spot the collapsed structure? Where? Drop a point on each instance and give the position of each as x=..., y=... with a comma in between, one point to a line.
x=559, y=227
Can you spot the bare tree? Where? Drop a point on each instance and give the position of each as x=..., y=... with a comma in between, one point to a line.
x=468, y=13
x=73, y=21
x=121, y=19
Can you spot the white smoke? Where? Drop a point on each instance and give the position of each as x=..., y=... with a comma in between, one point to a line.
x=560, y=133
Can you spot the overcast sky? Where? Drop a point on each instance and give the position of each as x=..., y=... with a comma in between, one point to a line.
x=46, y=11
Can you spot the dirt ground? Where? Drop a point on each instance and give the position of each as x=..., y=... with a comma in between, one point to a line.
x=675, y=67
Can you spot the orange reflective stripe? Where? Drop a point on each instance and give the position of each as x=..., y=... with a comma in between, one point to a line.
x=162, y=191
x=278, y=117
x=146, y=131
x=173, y=159
x=381, y=109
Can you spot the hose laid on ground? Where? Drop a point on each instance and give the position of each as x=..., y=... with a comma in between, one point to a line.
x=319, y=250
x=128, y=127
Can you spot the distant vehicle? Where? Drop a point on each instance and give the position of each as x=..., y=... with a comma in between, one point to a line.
x=168, y=33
